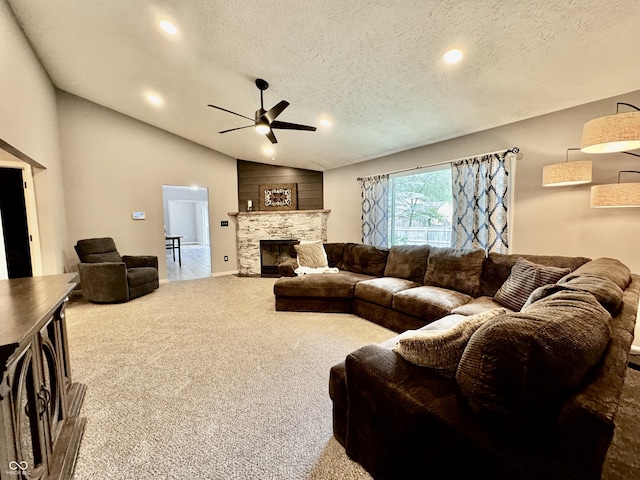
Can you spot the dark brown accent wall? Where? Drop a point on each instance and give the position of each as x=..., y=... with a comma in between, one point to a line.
x=252, y=174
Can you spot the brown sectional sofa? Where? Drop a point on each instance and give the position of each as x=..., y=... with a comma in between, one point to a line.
x=405, y=287
x=535, y=392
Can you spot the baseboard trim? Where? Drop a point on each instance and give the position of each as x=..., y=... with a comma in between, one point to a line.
x=224, y=274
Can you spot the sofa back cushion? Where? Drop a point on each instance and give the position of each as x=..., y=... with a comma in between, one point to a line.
x=364, y=259
x=518, y=366
x=335, y=254
x=455, y=269
x=408, y=262
x=497, y=267
x=608, y=268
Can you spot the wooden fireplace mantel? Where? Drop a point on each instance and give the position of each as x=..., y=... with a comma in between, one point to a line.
x=277, y=212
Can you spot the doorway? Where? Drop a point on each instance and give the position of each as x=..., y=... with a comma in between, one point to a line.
x=186, y=226
x=19, y=238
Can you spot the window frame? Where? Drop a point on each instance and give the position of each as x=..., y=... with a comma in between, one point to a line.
x=392, y=194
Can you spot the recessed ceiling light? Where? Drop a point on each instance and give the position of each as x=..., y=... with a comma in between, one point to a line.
x=168, y=27
x=453, y=56
x=268, y=150
x=154, y=99
x=325, y=122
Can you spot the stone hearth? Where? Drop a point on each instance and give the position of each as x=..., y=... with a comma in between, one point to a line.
x=282, y=225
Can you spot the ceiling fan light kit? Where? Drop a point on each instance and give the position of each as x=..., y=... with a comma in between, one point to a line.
x=265, y=120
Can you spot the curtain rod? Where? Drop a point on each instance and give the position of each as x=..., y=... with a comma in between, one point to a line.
x=515, y=150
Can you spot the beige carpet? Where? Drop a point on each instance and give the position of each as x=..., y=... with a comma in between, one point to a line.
x=203, y=379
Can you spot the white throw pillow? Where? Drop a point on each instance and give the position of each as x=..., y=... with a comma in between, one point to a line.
x=311, y=254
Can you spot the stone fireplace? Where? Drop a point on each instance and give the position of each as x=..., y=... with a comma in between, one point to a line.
x=252, y=227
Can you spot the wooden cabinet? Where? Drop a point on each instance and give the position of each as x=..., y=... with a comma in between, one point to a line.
x=40, y=429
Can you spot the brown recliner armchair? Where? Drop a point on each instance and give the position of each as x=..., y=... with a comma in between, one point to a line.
x=108, y=277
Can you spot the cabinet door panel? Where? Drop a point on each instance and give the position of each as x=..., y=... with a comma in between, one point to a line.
x=27, y=409
x=50, y=389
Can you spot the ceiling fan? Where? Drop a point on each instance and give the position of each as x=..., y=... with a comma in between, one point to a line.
x=265, y=120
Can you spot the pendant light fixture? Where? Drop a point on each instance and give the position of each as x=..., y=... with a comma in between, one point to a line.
x=616, y=195
x=567, y=173
x=613, y=133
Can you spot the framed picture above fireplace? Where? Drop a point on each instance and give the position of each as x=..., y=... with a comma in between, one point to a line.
x=280, y=196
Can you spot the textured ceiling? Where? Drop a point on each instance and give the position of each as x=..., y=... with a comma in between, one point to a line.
x=374, y=67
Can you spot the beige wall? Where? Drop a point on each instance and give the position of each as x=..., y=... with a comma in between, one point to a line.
x=115, y=165
x=29, y=123
x=546, y=220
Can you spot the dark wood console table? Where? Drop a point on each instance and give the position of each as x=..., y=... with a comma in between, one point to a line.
x=40, y=426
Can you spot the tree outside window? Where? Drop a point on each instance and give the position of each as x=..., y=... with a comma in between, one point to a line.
x=421, y=208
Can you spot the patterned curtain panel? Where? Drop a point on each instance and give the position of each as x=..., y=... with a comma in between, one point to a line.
x=481, y=202
x=375, y=210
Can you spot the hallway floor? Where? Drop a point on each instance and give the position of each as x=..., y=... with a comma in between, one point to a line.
x=196, y=263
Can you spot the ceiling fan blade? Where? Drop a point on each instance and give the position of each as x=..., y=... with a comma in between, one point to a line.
x=232, y=129
x=275, y=111
x=229, y=111
x=292, y=126
x=271, y=136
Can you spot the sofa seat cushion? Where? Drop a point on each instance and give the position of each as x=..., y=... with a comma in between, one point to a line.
x=525, y=277
x=428, y=303
x=141, y=275
x=518, y=366
x=330, y=285
x=381, y=290
x=408, y=262
x=441, y=349
x=455, y=269
x=478, y=305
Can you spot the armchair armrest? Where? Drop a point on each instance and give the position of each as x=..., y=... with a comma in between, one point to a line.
x=140, y=261
x=104, y=282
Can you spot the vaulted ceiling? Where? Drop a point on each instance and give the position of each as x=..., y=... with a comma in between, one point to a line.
x=372, y=67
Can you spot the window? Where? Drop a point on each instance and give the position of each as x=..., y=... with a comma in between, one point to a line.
x=421, y=207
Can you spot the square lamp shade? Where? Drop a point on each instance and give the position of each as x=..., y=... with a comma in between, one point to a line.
x=613, y=133
x=615, y=195
x=567, y=173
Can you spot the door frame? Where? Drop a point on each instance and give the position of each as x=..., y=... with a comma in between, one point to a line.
x=32, y=211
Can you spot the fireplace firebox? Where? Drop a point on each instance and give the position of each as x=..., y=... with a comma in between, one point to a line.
x=272, y=254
